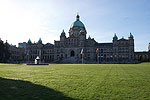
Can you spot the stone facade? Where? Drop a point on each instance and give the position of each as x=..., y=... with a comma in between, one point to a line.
x=45, y=52
x=143, y=56
x=68, y=49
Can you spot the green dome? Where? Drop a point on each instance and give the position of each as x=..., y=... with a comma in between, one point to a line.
x=40, y=41
x=131, y=36
x=115, y=36
x=77, y=23
x=29, y=41
x=89, y=37
x=63, y=33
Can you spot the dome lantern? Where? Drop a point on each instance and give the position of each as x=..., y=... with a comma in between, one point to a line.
x=77, y=17
x=77, y=23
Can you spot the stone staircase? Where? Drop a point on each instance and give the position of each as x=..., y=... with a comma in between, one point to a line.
x=70, y=60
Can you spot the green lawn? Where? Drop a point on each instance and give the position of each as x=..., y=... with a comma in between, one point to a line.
x=75, y=82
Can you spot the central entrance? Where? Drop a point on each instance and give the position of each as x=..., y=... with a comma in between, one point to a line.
x=72, y=53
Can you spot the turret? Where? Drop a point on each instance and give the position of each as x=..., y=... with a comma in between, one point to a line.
x=29, y=41
x=115, y=37
x=131, y=46
x=63, y=33
x=89, y=37
x=40, y=41
x=63, y=36
x=130, y=37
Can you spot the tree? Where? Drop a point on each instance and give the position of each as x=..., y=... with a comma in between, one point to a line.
x=4, y=51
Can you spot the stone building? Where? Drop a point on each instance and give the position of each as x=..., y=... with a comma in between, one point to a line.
x=16, y=54
x=77, y=48
x=44, y=51
x=143, y=56
x=68, y=49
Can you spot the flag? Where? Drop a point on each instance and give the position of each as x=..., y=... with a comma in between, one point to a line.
x=81, y=51
x=97, y=50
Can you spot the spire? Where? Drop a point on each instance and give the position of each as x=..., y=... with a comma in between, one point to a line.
x=115, y=36
x=89, y=37
x=40, y=41
x=77, y=17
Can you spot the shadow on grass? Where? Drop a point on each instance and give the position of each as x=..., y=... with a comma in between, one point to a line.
x=23, y=90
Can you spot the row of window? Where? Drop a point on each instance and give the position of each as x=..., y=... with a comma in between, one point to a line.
x=44, y=51
x=123, y=43
x=50, y=57
x=142, y=56
x=103, y=50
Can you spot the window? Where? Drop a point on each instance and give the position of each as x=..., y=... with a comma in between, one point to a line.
x=72, y=54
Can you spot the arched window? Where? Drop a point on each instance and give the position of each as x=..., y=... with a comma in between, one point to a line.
x=72, y=53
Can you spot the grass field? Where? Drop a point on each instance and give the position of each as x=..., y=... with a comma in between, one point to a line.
x=75, y=82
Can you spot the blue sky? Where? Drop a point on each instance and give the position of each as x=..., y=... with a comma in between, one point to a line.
x=24, y=19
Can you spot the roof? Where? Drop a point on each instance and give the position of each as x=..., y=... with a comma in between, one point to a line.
x=77, y=23
x=29, y=41
x=48, y=45
x=122, y=39
x=131, y=36
x=20, y=46
x=40, y=41
x=63, y=32
x=115, y=36
x=89, y=37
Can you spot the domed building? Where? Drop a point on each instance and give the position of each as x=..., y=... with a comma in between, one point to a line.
x=68, y=49
x=76, y=27
x=77, y=48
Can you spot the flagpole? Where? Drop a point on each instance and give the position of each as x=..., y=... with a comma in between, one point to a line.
x=97, y=52
x=82, y=55
x=82, y=58
x=98, y=57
